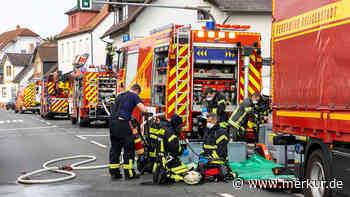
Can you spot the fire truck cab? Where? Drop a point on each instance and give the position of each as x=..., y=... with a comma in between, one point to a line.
x=176, y=63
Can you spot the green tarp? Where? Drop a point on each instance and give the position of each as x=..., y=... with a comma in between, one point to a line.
x=256, y=167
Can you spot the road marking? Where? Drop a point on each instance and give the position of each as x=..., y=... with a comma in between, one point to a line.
x=226, y=195
x=98, y=144
x=299, y=195
x=10, y=121
x=94, y=135
x=84, y=137
x=81, y=137
x=31, y=128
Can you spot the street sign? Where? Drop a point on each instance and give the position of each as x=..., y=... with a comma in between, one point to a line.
x=84, y=4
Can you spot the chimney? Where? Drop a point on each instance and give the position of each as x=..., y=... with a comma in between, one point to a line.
x=18, y=27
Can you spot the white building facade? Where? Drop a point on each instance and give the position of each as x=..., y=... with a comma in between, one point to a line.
x=79, y=43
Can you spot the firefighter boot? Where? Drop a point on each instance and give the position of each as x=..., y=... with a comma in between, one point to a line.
x=114, y=171
x=131, y=174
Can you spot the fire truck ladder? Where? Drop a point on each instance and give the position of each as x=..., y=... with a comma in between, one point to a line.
x=93, y=105
x=183, y=35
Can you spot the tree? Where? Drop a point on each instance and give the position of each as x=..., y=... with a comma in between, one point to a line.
x=51, y=39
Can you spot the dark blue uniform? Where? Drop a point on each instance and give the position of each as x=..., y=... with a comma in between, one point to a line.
x=121, y=134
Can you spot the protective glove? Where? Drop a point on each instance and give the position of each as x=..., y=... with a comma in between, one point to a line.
x=185, y=153
x=203, y=160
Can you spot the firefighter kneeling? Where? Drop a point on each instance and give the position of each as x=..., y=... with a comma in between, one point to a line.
x=213, y=162
x=168, y=167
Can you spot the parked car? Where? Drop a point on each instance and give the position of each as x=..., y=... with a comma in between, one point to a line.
x=11, y=104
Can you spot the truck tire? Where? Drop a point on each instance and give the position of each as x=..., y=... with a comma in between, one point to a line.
x=318, y=168
x=74, y=120
x=82, y=123
x=16, y=111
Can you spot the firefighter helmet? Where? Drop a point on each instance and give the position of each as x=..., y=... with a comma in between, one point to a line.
x=265, y=92
x=192, y=177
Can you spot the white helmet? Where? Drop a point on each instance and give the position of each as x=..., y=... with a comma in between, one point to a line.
x=265, y=92
x=192, y=177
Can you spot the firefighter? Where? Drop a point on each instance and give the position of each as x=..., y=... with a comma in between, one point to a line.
x=109, y=54
x=264, y=106
x=239, y=118
x=217, y=104
x=214, y=154
x=121, y=135
x=168, y=167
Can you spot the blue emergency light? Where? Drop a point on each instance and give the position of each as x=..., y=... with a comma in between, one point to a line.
x=126, y=38
x=210, y=25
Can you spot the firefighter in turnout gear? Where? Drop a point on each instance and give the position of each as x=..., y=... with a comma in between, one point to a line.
x=110, y=52
x=168, y=167
x=264, y=106
x=239, y=118
x=214, y=154
x=121, y=135
x=217, y=104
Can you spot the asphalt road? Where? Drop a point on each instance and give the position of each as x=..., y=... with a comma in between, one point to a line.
x=27, y=141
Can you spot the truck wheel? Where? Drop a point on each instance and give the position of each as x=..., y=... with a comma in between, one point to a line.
x=16, y=111
x=82, y=123
x=318, y=168
x=74, y=120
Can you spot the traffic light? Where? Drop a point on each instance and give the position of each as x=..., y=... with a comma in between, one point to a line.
x=84, y=4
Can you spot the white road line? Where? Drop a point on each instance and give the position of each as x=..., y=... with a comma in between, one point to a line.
x=299, y=195
x=98, y=144
x=2, y=122
x=20, y=120
x=30, y=128
x=226, y=195
x=81, y=137
x=94, y=135
x=8, y=121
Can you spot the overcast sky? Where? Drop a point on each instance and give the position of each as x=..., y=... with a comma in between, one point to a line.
x=44, y=17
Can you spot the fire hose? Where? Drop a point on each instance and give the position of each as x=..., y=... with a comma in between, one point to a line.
x=67, y=170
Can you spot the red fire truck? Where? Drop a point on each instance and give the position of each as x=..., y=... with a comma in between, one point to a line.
x=28, y=98
x=93, y=90
x=310, y=80
x=54, y=97
x=176, y=63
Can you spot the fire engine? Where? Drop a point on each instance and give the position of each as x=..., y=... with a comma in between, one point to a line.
x=93, y=89
x=54, y=97
x=28, y=98
x=176, y=63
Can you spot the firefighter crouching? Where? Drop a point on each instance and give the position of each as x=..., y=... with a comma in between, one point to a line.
x=168, y=167
x=121, y=135
x=217, y=105
x=214, y=156
x=239, y=118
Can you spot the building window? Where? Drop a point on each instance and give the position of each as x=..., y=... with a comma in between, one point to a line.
x=116, y=17
x=62, y=53
x=23, y=51
x=87, y=48
x=74, y=21
x=3, y=92
x=68, y=52
x=74, y=49
x=8, y=71
x=125, y=12
x=202, y=15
